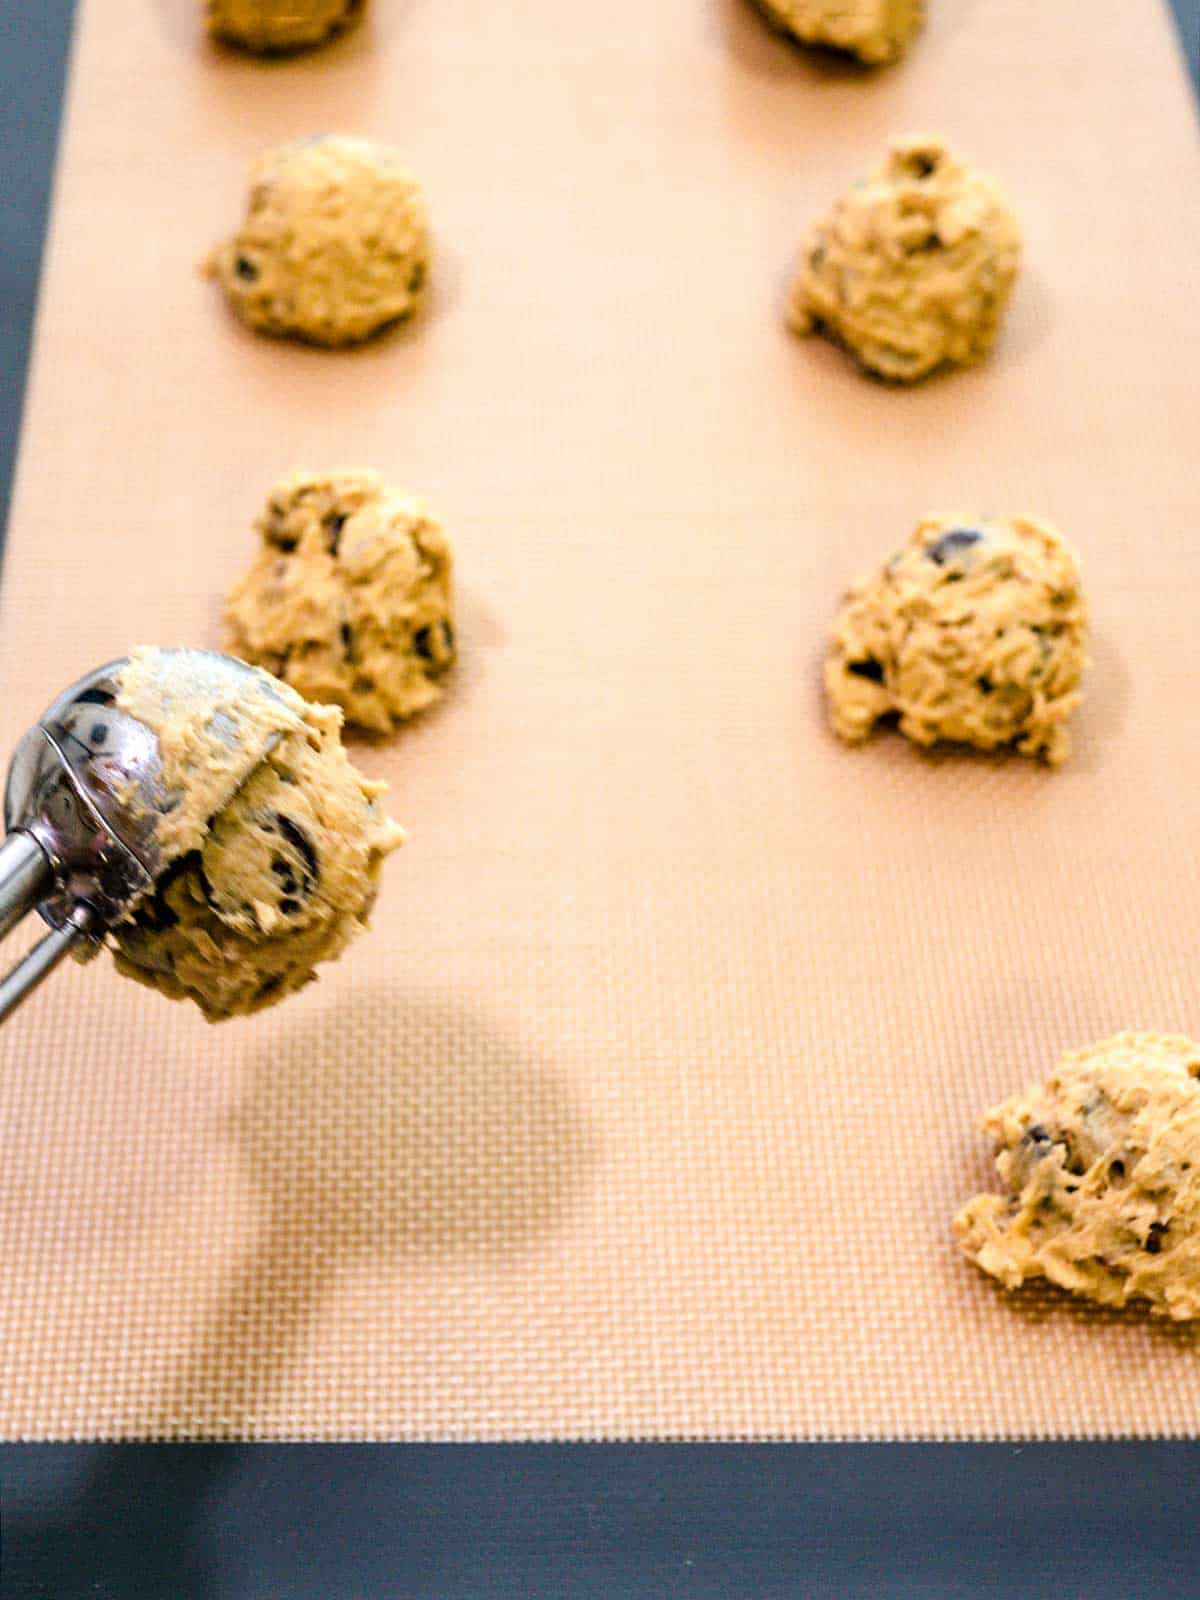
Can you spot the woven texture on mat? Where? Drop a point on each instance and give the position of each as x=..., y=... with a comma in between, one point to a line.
x=646, y=1105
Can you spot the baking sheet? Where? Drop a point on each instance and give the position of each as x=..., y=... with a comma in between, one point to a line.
x=644, y=1109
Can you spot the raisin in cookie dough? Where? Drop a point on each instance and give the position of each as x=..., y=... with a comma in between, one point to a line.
x=270, y=26
x=334, y=245
x=350, y=599
x=876, y=31
x=912, y=269
x=1102, y=1165
x=974, y=632
x=261, y=884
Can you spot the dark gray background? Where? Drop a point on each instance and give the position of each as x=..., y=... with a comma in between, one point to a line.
x=465, y=1522
x=34, y=40
x=1187, y=15
x=738, y=1522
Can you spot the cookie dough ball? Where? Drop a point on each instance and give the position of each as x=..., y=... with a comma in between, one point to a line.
x=334, y=246
x=279, y=25
x=873, y=30
x=912, y=269
x=349, y=600
x=1102, y=1165
x=282, y=876
x=974, y=632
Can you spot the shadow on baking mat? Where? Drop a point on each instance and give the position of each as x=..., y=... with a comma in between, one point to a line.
x=1043, y=1304
x=389, y=1132
x=1107, y=687
x=766, y=49
x=1028, y=320
x=91, y=1532
x=183, y=22
x=1095, y=725
x=269, y=357
x=1106, y=696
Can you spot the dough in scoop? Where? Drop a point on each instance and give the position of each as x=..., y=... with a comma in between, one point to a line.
x=1102, y=1165
x=279, y=25
x=976, y=631
x=282, y=877
x=912, y=269
x=349, y=600
x=873, y=30
x=334, y=245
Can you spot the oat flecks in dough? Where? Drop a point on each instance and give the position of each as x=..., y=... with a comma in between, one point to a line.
x=974, y=632
x=282, y=877
x=876, y=31
x=334, y=245
x=280, y=25
x=350, y=597
x=912, y=269
x=1102, y=1165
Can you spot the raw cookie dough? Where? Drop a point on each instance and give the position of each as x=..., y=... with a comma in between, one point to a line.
x=1103, y=1166
x=277, y=25
x=974, y=631
x=912, y=268
x=349, y=600
x=874, y=30
x=334, y=245
x=285, y=872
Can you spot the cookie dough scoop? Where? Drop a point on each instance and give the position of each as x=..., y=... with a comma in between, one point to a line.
x=86, y=810
x=122, y=787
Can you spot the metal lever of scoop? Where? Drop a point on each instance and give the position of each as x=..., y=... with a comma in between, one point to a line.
x=26, y=878
x=44, y=957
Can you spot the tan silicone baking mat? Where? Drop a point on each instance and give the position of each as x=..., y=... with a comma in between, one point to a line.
x=644, y=1109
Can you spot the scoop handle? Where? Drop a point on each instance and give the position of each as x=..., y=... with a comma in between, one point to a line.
x=43, y=958
x=25, y=878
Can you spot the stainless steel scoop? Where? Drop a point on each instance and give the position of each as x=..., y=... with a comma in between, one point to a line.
x=85, y=800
